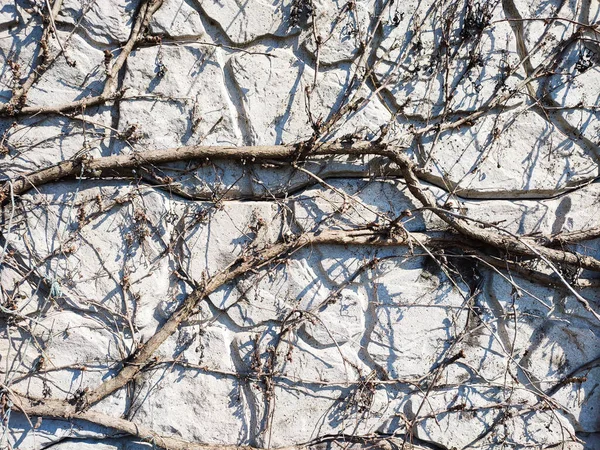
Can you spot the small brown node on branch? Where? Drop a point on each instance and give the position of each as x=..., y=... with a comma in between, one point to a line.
x=79, y=399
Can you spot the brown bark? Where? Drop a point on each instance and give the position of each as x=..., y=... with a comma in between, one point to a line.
x=71, y=410
x=116, y=164
x=109, y=92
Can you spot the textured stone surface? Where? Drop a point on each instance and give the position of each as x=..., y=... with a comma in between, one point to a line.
x=79, y=76
x=56, y=139
x=243, y=23
x=362, y=346
x=470, y=160
x=106, y=22
x=271, y=88
x=178, y=97
x=177, y=18
x=475, y=73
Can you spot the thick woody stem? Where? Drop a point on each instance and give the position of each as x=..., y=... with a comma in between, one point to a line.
x=499, y=239
x=142, y=358
x=110, y=164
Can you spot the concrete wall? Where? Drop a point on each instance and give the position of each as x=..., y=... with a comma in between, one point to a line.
x=202, y=302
